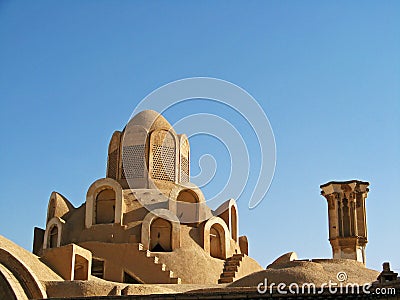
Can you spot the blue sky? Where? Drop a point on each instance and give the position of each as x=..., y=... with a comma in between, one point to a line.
x=327, y=75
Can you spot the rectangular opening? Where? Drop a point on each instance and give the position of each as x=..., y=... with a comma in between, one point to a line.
x=98, y=268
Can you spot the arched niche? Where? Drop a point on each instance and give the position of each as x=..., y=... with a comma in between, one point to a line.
x=53, y=237
x=233, y=223
x=105, y=206
x=217, y=238
x=95, y=193
x=163, y=155
x=187, y=206
x=184, y=159
x=113, y=158
x=135, y=157
x=228, y=211
x=160, y=235
x=215, y=241
x=202, y=211
x=53, y=233
x=149, y=241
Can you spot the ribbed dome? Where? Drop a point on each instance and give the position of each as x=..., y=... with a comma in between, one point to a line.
x=150, y=120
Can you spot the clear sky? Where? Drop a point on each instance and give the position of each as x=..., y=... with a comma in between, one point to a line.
x=326, y=73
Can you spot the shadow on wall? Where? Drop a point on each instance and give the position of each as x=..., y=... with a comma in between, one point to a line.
x=195, y=234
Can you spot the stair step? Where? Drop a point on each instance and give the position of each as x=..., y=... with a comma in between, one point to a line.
x=231, y=263
x=175, y=280
x=231, y=268
x=163, y=267
x=236, y=258
x=228, y=274
x=154, y=259
x=238, y=255
x=225, y=280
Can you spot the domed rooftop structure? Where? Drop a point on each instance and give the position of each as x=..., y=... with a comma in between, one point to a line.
x=145, y=222
x=148, y=153
x=316, y=271
x=150, y=120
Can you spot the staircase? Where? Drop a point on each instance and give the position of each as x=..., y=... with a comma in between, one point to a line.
x=152, y=259
x=143, y=264
x=231, y=267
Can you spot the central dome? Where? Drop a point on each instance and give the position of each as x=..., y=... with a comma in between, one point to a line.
x=150, y=120
x=148, y=153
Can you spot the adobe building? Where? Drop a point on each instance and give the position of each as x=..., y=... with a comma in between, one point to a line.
x=146, y=229
x=145, y=222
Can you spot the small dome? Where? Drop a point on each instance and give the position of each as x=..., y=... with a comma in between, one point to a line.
x=316, y=271
x=150, y=120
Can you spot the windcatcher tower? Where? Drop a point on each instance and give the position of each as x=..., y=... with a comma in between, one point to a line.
x=347, y=218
